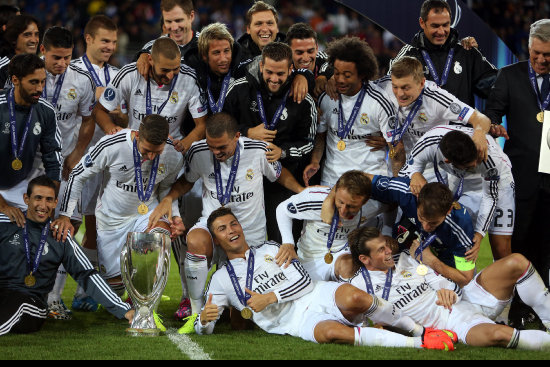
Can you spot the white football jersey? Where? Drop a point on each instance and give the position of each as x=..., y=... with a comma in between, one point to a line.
x=374, y=114
x=76, y=99
x=439, y=107
x=415, y=295
x=306, y=206
x=118, y=199
x=130, y=87
x=247, y=197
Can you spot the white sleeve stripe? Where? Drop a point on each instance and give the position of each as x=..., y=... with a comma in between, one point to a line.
x=400, y=55
x=384, y=103
x=459, y=232
x=79, y=254
x=300, y=285
x=107, y=292
x=399, y=186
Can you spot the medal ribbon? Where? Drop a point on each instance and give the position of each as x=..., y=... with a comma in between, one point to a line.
x=32, y=266
x=243, y=296
x=446, y=70
x=440, y=179
x=223, y=197
x=343, y=130
x=149, y=105
x=277, y=114
x=94, y=75
x=11, y=106
x=387, y=284
x=216, y=107
x=412, y=113
x=424, y=245
x=57, y=90
x=534, y=84
x=144, y=197
x=334, y=228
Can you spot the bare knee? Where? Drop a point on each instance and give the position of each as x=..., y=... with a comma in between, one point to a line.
x=199, y=242
x=489, y=335
x=516, y=264
x=333, y=332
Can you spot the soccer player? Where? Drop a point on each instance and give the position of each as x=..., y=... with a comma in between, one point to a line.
x=30, y=258
x=452, y=150
x=232, y=169
x=432, y=217
x=28, y=76
x=320, y=244
x=433, y=301
x=169, y=90
x=138, y=168
x=100, y=34
x=422, y=105
x=286, y=301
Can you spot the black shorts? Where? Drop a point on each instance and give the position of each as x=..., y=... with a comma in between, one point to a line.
x=20, y=313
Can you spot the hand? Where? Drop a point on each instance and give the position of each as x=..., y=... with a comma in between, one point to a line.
x=298, y=90
x=331, y=90
x=481, y=144
x=176, y=227
x=142, y=65
x=498, y=131
x=472, y=254
x=258, y=302
x=273, y=153
x=99, y=92
x=114, y=130
x=327, y=209
x=446, y=298
x=61, y=228
x=209, y=312
x=130, y=315
x=320, y=86
x=285, y=255
x=376, y=142
x=69, y=163
x=417, y=183
x=468, y=43
x=14, y=214
x=259, y=132
x=310, y=171
x=164, y=208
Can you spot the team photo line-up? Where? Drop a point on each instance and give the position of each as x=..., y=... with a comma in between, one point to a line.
x=300, y=188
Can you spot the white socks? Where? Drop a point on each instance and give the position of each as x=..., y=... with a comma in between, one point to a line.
x=196, y=273
x=366, y=336
x=530, y=340
x=60, y=280
x=533, y=292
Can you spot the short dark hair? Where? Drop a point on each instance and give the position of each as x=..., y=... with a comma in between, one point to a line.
x=41, y=181
x=220, y=212
x=99, y=21
x=166, y=47
x=155, y=129
x=300, y=31
x=438, y=5
x=458, y=148
x=17, y=25
x=434, y=200
x=58, y=37
x=221, y=123
x=259, y=6
x=356, y=183
x=277, y=51
x=357, y=241
x=7, y=12
x=24, y=64
x=353, y=49
x=186, y=5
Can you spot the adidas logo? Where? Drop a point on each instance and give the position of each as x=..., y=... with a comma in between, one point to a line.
x=212, y=176
x=138, y=93
x=335, y=110
x=123, y=169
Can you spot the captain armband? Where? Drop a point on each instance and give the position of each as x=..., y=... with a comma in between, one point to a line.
x=464, y=265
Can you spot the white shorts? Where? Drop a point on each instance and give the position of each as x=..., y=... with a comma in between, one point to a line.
x=316, y=307
x=319, y=270
x=110, y=244
x=475, y=294
x=464, y=317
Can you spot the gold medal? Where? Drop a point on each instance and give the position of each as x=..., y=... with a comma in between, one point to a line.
x=392, y=153
x=329, y=258
x=246, y=313
x=16, y=164
x=540, y=116
x=422, y=270
x=456, y=205
x=341, y=145
x=142, y=209
x=30, y=280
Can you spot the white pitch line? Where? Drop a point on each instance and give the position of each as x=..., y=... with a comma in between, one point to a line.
x=187, y=346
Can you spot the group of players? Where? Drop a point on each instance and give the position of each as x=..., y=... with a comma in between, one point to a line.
x=374, y=195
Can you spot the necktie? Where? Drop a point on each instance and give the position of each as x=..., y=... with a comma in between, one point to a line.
x=545, y=87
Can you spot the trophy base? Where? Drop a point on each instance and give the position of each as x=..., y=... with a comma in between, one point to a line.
x=143, y=332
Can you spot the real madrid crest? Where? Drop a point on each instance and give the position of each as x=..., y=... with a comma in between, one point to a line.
x=37, y=129
x=364, y=119
x=161, y=169
x=71, y=94
x=457, y=68
x=249, y=174
x=422, y=117
x=174, y=98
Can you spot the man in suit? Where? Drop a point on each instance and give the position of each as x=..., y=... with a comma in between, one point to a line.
x=521, y=93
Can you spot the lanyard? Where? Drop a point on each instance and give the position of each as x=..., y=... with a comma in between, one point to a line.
x=32, y=266
x=144, y=197
x=344, y=129
x=440, y=179
x=223, y=197
x=149, y=105
x=94, y=75
x=216, y=107
x=387, y=284
x=11, y=106
x=424, y=245
x=57, y=90
x=278, y=112
x=533, y=78
x=412, y=113
x=446, y=70
x=243, y=296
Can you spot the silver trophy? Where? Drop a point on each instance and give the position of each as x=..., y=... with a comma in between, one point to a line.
x=145, y=265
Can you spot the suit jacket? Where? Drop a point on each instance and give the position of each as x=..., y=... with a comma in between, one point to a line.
x=513, y=96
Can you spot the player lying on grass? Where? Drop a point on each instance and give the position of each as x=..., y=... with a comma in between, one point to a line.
x=29, y=259
x=285, y=301
x=434, y=301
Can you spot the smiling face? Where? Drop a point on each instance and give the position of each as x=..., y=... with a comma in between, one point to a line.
x=178, y=25
x=101, y=47
x=219, y=56
x=228, y=234
x=27, y=42
x=263, y=28
x=380, y=257
x=348, y=80
x=41, y=203
x=304, y=53
x=539, y=55
x=164, y=69
x=29, y=88
x=57, y=59
x=437, y=26
x=275, y=73
x=348, y=205
x=223, y=147
x=406, y=89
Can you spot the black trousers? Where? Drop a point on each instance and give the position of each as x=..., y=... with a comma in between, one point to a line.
x=20, y=313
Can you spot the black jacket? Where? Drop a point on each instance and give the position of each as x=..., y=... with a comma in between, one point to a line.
x=470, y=74
x=251, y=49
